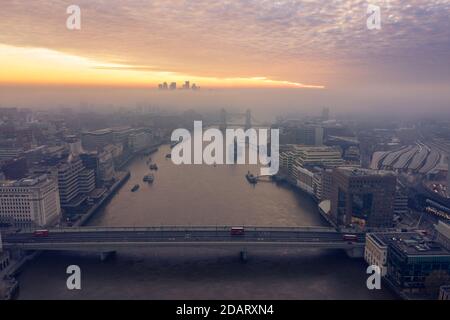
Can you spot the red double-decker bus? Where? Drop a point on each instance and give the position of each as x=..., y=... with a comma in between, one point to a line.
x=350, y=237
x=237, y=231
x=41, y=233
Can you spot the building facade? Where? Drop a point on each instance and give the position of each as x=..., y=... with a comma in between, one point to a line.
x=98, y=139
x=363, y=198
x=30, y=202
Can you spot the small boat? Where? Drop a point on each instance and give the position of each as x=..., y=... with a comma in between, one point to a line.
x=149, y=178
x=168, y=156
x=251, y=178
x=153, y=166
x=135, y=188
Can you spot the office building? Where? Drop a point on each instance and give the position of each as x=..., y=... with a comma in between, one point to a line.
x=68, y=174
x=410, y=261
x=310, y=135
x=87, y=181
x=139, y=141
x=10, y=152
x=375, y=251
x=95, y=140
x=304, y=156
x=30, y=202
x=106, y=169
x=401, y=202
x=363, y=198
x=318, y=156
x=416, y=264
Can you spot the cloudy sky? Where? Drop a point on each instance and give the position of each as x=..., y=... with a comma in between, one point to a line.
x=305, y=44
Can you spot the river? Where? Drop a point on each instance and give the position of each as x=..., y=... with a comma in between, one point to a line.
x=202, y=195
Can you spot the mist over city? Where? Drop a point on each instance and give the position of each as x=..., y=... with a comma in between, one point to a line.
x=224, y=151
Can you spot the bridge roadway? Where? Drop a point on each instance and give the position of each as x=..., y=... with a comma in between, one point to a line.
x=95, y=239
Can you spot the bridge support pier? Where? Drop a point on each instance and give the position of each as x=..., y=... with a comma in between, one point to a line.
x=107, y=255
x=17, y=254
x=243, y=255
x=355, y=252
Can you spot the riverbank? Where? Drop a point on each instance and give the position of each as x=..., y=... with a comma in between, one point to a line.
x=7, y=277
x=122, y=179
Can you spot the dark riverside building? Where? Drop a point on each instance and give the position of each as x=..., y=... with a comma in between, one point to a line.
x=363, y=197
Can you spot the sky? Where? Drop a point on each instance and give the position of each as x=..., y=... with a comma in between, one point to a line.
x=305, y=45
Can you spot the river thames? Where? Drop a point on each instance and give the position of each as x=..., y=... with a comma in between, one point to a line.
x=202, y=195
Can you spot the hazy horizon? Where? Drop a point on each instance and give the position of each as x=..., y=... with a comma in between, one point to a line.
x=292, y=55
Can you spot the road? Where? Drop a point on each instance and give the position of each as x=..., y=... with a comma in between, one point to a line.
x=98, y=238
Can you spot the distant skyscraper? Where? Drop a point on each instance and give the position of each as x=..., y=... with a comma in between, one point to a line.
x=173, y=86
x=165, y=86
x=309, y=135
x=186, y=85
x=326, y=114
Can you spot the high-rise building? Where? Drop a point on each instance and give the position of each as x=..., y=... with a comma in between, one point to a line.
x=73, y=182
x=363, y=197
x=106, y=166
x=30, y=202
x=173, y=86
x=87, y=181
x=68, y=174
x=310, y=135
x=186, y=85
x=325, y=114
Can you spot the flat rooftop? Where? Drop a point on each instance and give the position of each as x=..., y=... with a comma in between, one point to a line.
x=360, y=172
x=411, y=243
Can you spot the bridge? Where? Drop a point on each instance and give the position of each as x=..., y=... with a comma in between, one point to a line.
x=227, y=119
x=111, y=239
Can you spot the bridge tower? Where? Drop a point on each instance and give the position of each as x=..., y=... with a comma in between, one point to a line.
x=248, y=119
x=223, y=119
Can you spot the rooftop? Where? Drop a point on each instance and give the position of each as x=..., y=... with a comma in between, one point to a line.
x=360, y=172
x=25, y=182
x=98, y=132
x=411, y=243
